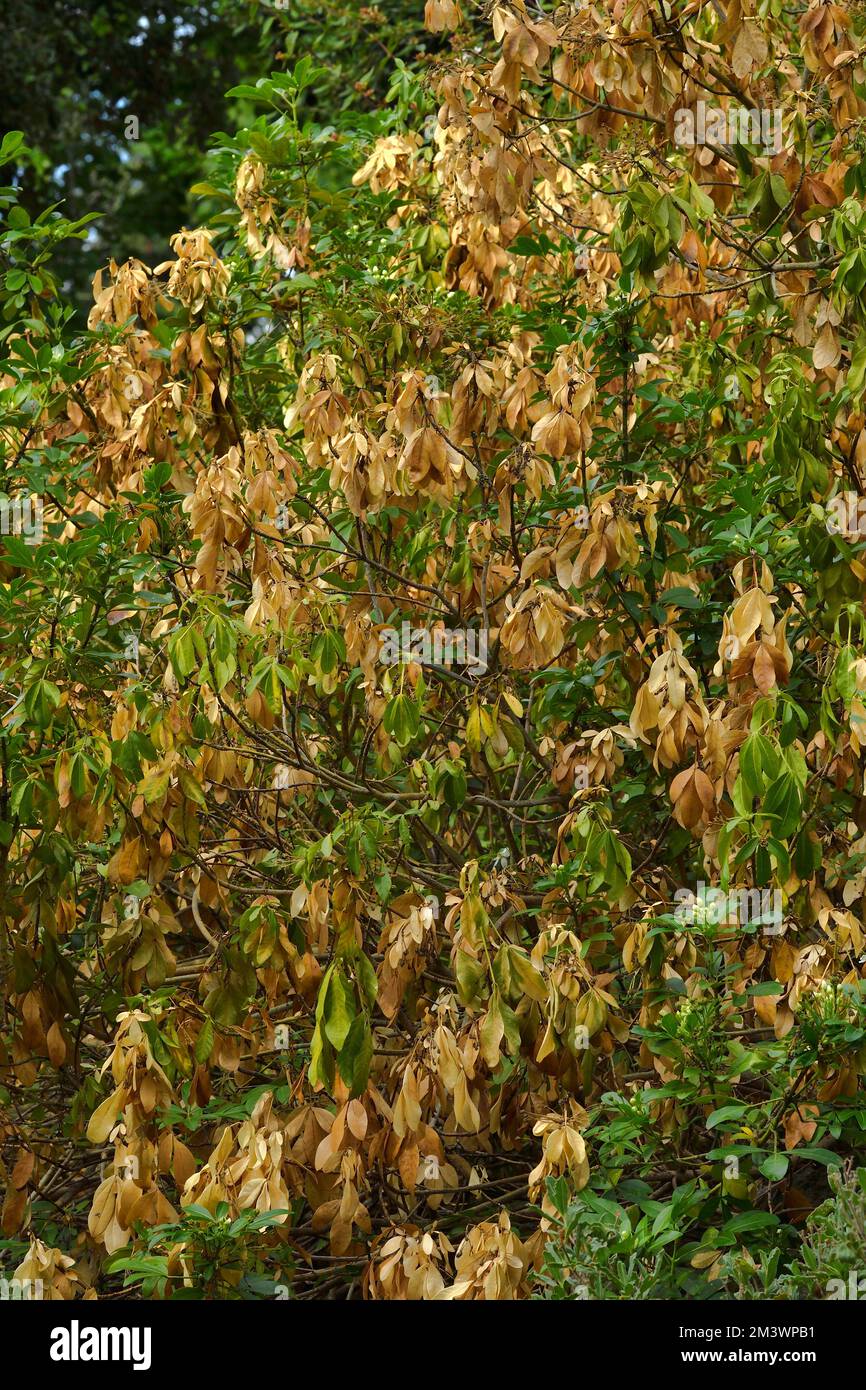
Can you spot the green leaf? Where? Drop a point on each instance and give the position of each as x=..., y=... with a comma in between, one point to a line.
x=402, y=719
x=13, y=141
x=204, y=1042
x=339, y=1011
x=356, y=1055
x=775, y=1167
x=190, y=788
x=726, y=1112
x=321, y=1069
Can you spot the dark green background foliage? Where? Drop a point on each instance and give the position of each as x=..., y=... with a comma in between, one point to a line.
x=71, y=73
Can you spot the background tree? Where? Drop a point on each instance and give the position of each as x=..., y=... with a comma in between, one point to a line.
x=118, y=101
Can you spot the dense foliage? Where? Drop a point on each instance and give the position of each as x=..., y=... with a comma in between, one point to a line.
x=433, y=678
